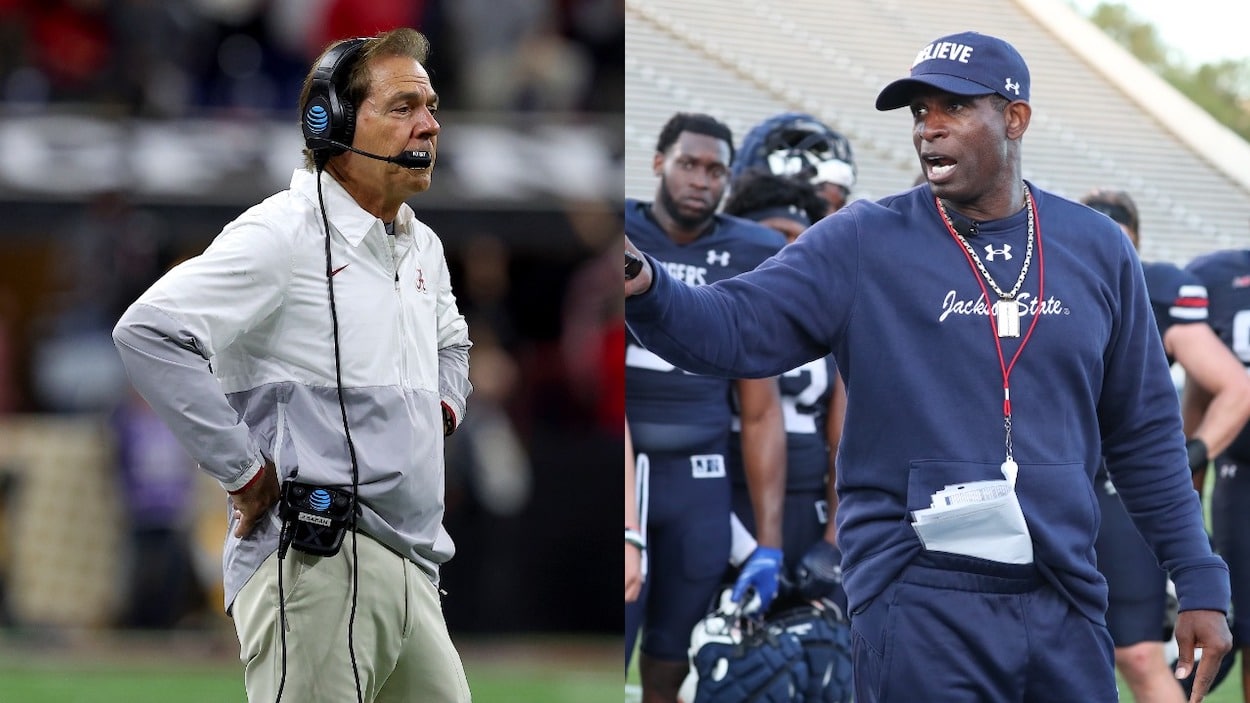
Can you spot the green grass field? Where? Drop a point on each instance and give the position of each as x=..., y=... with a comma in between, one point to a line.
x=533, y=670
x=542, y=669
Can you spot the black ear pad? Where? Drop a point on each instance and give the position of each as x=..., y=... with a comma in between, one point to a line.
x=349, y=124
x=327, y=115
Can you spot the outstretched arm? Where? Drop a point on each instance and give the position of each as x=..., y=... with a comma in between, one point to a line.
x=764, y=322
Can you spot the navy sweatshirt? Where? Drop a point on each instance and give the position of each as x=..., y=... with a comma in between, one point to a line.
x=886, y=287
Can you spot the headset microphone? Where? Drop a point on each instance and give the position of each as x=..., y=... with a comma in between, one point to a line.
x=404, y=159
x=412, y=159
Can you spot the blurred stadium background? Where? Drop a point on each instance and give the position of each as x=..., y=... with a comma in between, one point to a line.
x=131, y=131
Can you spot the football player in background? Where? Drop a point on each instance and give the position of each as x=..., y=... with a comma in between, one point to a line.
x=813, y=399
x=1137, y=595
x=784, y=161
x=1226, y=275
x=679, y=422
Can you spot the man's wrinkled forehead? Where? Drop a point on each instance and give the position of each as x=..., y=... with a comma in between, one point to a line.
x=396, y=74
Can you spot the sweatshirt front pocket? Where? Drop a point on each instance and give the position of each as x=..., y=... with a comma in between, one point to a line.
x=1061, y=508
x=929, y=476
x=974, y=517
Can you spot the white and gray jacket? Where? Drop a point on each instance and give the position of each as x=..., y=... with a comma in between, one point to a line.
x=234, y=350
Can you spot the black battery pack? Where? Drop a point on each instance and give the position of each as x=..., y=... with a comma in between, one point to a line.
x=315, y=517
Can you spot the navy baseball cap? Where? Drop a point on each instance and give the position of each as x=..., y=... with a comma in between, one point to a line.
x=968, y=63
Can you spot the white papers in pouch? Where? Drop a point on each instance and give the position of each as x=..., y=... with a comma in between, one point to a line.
x=979, y=519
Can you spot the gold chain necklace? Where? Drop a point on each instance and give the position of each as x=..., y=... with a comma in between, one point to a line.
x=1006, y=309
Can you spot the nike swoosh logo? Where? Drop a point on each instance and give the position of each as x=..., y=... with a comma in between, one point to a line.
x=335, y=272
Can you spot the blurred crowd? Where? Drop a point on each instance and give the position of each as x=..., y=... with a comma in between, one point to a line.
x=240, y=58
x=173, y=58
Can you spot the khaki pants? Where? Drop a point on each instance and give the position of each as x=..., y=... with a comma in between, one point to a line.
x=402, y=649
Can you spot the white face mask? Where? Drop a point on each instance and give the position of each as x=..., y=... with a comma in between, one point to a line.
x=786, y=162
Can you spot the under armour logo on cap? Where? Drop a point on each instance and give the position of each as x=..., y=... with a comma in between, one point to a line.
x=968, y=63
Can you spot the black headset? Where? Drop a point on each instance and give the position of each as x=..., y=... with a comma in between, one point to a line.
x=328, y=116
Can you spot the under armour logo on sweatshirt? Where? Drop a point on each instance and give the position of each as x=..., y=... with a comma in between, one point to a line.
x=991, y=252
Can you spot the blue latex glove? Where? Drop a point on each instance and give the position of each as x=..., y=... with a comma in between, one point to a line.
x=759, y=573
x=819, y=573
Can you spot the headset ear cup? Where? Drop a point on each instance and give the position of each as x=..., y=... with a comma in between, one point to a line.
x=327, y=117
x=348, y=129
x=315, y=122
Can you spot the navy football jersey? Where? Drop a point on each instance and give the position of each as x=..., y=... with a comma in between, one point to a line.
x=1176, y=296
x=670, y=409
x=1226, y=276
x=805, y=394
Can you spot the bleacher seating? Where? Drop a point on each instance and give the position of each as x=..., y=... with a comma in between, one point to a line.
x=743, y=60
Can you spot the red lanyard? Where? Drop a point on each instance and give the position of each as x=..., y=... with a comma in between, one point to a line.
x=1003, y=365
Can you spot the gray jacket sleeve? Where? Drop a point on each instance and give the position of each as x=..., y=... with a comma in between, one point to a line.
x=168, y=337
x=168, y=368
x=453, y=350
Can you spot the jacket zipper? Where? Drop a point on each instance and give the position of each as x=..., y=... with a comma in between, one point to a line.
x=403, y=334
